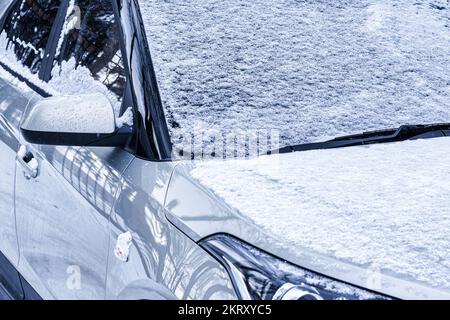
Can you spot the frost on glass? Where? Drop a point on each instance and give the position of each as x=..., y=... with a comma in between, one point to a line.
x=310, y=69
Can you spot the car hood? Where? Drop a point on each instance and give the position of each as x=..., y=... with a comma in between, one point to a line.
x=353, y=213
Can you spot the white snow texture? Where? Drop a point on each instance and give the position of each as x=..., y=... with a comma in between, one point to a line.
x=126, y=118
x=313, y=69
x=72, y=114
x=386, y=206
x=67, y=79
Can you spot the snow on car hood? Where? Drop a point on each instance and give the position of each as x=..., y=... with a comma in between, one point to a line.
x=384, y=206
x=310, y=69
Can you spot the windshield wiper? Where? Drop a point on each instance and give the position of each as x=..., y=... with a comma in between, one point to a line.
x=405, y=132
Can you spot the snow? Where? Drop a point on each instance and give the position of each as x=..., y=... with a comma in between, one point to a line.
x=27, y=45
x=70, y=22
x=8, y=58
x=382, y=206
x=312, y=69
x=125, y=119
x=33, y=164
x=73, y=114
x=123, y=244
x=67, y=79
x=22, y=153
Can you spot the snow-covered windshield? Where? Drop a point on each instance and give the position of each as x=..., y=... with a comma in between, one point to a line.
x=311, y=69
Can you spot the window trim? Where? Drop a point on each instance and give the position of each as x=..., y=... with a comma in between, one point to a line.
x=21, y=78
x=45, y=71
x=138, y=146
x=53, y=32
x=30, y=84
x=152, y=134
x=7, y=12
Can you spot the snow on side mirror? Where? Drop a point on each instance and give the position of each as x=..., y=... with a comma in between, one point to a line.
x=81, y=120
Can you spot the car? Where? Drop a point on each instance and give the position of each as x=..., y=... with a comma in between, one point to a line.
x=99, y=201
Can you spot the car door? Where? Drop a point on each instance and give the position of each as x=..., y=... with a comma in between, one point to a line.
x=13, y=102
x=62, y=219
x=64, y=199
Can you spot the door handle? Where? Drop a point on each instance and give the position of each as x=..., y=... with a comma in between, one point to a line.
x=28, y=163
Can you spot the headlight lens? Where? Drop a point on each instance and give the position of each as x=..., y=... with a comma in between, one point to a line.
x=257, y=275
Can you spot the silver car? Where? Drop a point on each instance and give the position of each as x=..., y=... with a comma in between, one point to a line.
x=102, y=197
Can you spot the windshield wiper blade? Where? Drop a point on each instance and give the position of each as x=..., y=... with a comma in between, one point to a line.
x=402, y=133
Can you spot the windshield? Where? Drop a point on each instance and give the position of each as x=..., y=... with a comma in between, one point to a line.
x=304, y=71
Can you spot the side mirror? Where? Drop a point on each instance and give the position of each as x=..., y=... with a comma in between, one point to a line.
x=82, y=120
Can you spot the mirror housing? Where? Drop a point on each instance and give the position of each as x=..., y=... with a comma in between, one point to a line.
x=81, y=120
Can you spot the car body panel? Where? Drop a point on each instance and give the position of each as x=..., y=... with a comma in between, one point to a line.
x=159, y=252
x=63, y=235
x=63, y=215
x=10, y=284
x=198, y=212
x=12, y=106
x=70, y=217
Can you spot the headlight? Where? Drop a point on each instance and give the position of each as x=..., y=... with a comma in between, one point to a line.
x=257, y=275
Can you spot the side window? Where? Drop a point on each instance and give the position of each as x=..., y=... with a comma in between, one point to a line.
x=27, y=29
x=90, y=40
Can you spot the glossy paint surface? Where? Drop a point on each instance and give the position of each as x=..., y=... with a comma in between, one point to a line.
x=63, y=235
x=159, y=253
x=60, y=229
x=12, y=105
x=70, y=215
